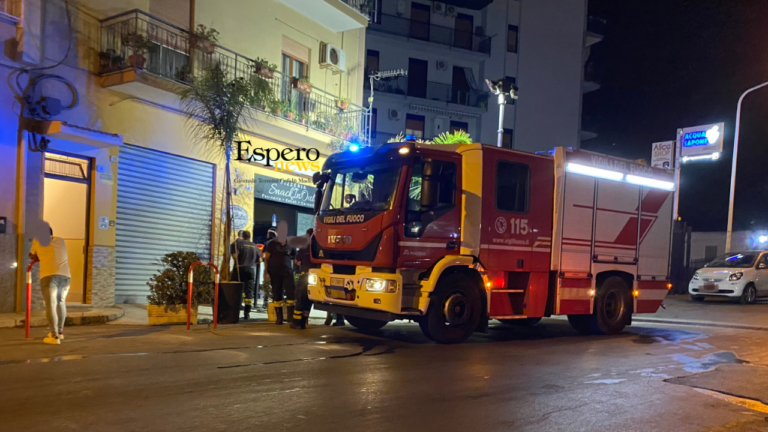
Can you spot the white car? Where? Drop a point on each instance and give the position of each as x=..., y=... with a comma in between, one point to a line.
x=737, y=275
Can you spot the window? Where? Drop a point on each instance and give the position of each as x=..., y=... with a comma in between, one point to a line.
x=294, y=67
x=420, y=15
x=512, y=39
x=414, y=125
x=361, y=189
x=507, y=140
x=763, y=262
x=457, y=125
x=445, y=173
x=371, y=62
x=512, y=186
x=462, y=31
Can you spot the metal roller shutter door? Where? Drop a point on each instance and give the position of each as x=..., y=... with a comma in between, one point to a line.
x=164, y=204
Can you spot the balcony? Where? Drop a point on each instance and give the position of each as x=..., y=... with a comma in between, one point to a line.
x=337, y=15
x=417, y=30
x=172, y=60
x=432, y=91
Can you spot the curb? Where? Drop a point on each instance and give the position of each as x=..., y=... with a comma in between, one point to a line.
x=698, y=323
x=99, y=316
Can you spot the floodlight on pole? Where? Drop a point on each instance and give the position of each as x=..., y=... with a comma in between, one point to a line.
x=378, y=75
x=501, y=96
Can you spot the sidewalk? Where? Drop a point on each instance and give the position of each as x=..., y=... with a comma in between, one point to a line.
x=680, y=309
x=76, y=315
x=136, y=314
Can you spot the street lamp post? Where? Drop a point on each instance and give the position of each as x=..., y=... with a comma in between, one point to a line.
x=733, y=168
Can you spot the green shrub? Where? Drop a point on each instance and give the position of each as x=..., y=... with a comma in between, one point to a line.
x=168, y=287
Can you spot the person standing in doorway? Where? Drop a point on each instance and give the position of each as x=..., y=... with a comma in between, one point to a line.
x=54, y=282
x=277, y=255
x=246, y=256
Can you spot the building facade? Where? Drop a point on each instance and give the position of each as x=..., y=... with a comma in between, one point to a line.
x=94, y=140
x=450, y=48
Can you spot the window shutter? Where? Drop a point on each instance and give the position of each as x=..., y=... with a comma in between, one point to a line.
x=296, y=50
x=175, y=12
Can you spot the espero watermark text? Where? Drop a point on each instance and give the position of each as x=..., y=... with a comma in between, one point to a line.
x=285, y=159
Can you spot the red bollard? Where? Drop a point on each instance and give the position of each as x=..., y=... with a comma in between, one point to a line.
x=29, y=298
x=215, y=294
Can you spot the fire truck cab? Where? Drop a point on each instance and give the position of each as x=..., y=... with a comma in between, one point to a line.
x=452, y=236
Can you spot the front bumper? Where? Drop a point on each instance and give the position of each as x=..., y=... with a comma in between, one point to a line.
x=721, y=289
x=355, y=296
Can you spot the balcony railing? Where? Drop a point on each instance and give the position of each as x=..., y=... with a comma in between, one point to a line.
x=167, y=52
x=447, y=36
x=365, y=7
x=431, y=91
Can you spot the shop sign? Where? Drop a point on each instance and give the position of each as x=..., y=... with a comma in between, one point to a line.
x=298, y=192
x=661, y=155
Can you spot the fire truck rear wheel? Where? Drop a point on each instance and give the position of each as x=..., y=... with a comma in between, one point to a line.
x=524, y=322
x=365, y=324
x=454, y=310
x=613, y=307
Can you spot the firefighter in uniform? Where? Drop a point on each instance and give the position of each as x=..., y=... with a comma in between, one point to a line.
x=303, y=305
x=246, y=256
x=277, y=254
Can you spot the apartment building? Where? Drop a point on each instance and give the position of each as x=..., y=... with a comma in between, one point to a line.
x=94, y=140
x=450, y=48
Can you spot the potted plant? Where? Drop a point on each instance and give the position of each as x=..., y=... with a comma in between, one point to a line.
x=264, y=68
x=205, y=38
x=304, y=118
x=342, y=103
x=215, y=106
x=263, y=93
x=168, y=289
x=109, y=61
x=302, y=85
x=183, y=74
x=139, y=45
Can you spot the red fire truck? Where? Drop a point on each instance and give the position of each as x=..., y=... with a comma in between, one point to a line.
x=452, y=236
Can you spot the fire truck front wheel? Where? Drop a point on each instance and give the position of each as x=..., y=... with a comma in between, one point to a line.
x=454, y=310
x=365, y=324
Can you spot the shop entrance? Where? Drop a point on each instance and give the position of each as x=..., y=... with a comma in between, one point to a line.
x=266, y=214
x=65, y=208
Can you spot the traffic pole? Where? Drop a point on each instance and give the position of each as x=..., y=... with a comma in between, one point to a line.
x=190, y=280
x=29, y=299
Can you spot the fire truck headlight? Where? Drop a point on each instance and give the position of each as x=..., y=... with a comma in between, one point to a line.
x=312, y=279
x=380, y=285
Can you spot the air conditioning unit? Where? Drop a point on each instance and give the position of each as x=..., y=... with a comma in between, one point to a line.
x=441, y=65
x=332, y=57
x=451, y=11
x=438, y=7
x=441, y=124
x=400, y=7
x=394, y=115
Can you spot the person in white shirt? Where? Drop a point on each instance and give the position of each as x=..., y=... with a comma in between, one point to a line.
x=54, y=282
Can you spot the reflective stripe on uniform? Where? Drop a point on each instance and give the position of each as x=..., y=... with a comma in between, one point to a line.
x=290, y=302
x=278, y=303
x=248, y=302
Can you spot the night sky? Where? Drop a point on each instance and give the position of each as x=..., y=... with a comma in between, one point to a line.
x=667, y=64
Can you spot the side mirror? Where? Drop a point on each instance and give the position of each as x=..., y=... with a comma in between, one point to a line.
x=318, y=200
x=762, y=266
x=428, y=185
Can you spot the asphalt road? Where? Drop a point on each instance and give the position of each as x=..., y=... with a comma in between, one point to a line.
x=261, y=377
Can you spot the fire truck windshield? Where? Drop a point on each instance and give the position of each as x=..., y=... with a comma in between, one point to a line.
x=356, y=189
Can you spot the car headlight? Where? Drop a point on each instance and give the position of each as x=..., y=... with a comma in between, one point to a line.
x=312, y=279
x=380, y=285
x=735, y=276
x=696, y=276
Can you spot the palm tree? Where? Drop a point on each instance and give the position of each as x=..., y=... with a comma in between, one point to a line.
x=215, y=106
